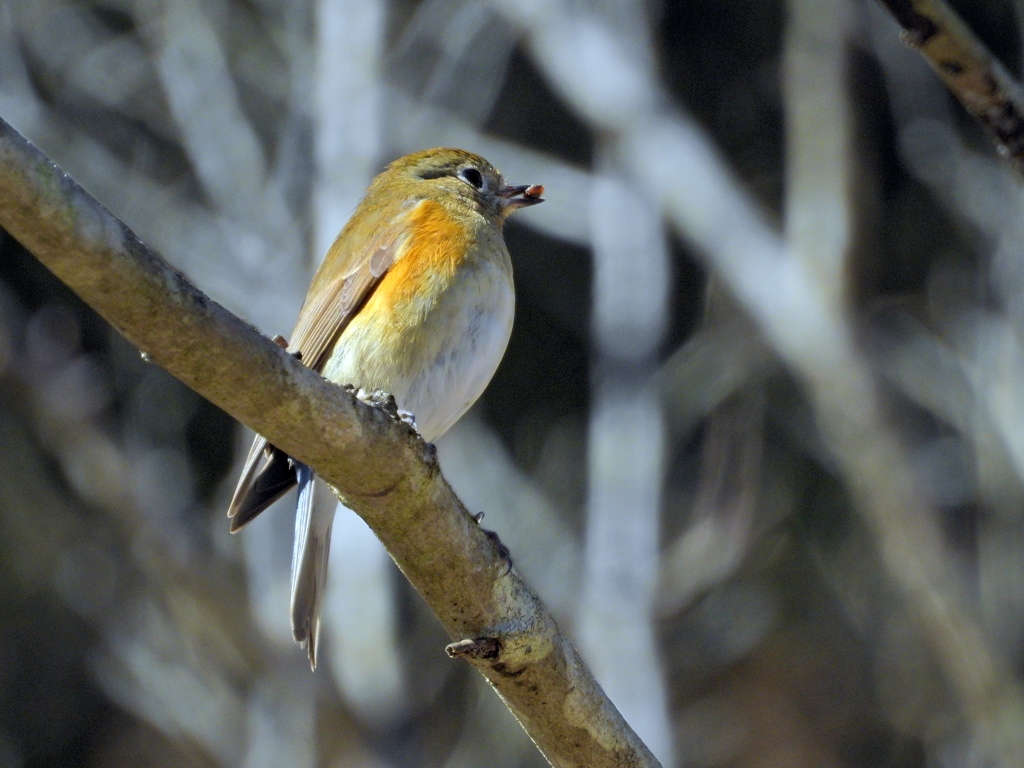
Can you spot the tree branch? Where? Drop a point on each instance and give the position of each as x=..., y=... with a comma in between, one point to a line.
x=968, y=69
x=382, y=469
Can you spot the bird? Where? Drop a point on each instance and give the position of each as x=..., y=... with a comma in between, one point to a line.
x=414, y=298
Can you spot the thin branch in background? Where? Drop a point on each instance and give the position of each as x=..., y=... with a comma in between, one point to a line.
x=625, y=456
x=204, y=102
x=720, y=532
x=474, y=47
x=349, y=111
x=821, y=179
x=968, y=69
x=223, y=146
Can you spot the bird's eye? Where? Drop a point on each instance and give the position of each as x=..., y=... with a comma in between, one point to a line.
x=472, y=176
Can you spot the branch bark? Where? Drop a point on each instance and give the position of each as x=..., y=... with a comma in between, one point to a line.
x=968, y=69
x=381, y=469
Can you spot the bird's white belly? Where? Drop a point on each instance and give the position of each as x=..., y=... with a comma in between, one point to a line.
x=438, y=371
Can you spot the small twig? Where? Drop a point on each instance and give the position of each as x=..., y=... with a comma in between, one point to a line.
x=487, y=648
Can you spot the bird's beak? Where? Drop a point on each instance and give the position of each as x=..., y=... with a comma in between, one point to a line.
x=521, y=196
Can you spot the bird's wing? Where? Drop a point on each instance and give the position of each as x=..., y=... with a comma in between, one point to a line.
x=334, y=297
x=261, y=484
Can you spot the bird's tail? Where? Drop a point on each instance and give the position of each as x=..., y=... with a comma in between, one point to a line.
x=314, y=515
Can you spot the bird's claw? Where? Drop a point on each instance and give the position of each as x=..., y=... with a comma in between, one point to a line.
x=378, y=398
x=408, y=418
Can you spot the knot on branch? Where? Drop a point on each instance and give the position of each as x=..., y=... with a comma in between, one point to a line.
x=482, y=648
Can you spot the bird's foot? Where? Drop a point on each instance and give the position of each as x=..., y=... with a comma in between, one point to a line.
x=378, y=398
x=409, y=418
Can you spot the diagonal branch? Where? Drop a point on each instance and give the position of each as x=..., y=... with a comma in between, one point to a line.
x=968, y=69
x=382, y=470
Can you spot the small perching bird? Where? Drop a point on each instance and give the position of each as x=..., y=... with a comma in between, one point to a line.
x=415, y=298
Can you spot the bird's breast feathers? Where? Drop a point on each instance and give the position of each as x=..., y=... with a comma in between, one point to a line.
x=434, y=330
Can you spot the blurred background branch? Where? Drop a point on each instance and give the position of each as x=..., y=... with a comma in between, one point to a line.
x=812, y=522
